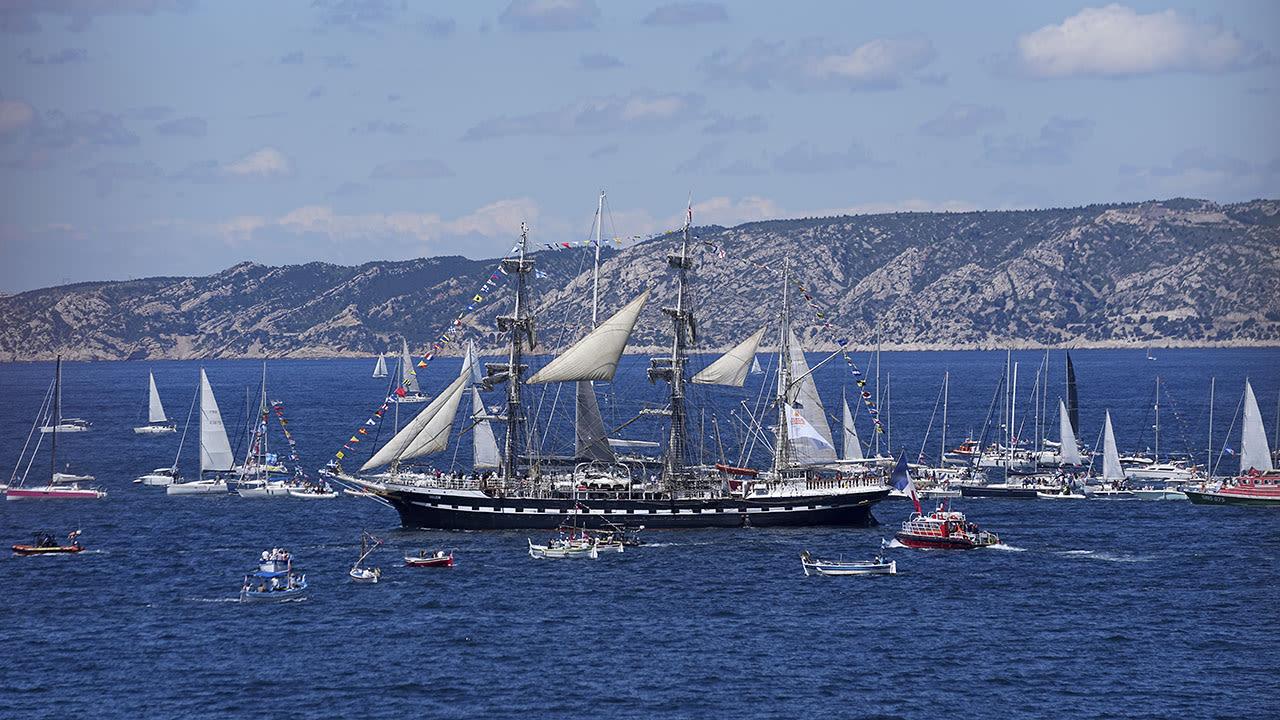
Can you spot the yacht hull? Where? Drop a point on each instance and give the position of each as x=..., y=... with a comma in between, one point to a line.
x=477, y=511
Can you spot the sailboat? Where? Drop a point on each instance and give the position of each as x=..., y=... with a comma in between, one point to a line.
x=157, y=423
x=1114, y=485
x=524, y=496
x=1259, y=481
x=380, y=369
x=408, y=378
x=359, y=572
x=255, y=475
x=215, y=449
x=170, y=475
x=61, y=485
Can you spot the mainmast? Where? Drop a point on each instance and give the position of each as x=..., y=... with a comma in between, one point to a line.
x=520, y=324
x=671, y=368
x=783, y=440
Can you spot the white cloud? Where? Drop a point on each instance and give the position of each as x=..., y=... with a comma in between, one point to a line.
x=1116, y=40
x=540, y=15
x=881, y=63
x=262, y=164
x=637, y=112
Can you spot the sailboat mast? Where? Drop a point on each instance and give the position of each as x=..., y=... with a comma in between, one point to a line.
x=520, y=323
x=946, y=391
x=671, y=368
x=595, y=273
x=57, y=418
x=781, y=454
x=1208, y=461
x=1157, y=425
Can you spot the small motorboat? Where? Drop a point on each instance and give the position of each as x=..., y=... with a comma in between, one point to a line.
x=359, y=571
x=273, y=586
x=578, y=546
x=877, y=566
x=1066, y=493
x=160, y=476
x=45, y=544
x=943, y=529
x=275, y=560
x=313, y=492
x=67, y=425
x=436, y=559
x=1165, y=493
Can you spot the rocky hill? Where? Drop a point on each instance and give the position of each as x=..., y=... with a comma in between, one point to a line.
x=1178, y=272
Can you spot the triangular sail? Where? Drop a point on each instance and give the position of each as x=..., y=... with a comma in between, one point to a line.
x=852, y=447
x=215, y=449
x=1069, y=452
x=472, y=363
x=380, y=369
x=1254, y=453
x=408, y=376
x=804, y=399
x=484, y=444
x=590, y=441
x=155, y=409
x=732, y=367
x=423, y=434
x=1111, y=469
x=595, y=357
x=755, y=367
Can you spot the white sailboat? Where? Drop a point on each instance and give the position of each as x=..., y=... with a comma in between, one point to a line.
x=215, y=449
x=157, y=423
x=409, y=378
x=1115, y=486
x=380, y=369
x=59, y=423
x=61, y=485
x=255, y=475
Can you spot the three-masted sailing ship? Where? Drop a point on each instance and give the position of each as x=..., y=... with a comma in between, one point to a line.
x=804, y=486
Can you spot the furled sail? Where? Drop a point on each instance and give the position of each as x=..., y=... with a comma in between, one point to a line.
x=1069, y=452
x=156, y=410
x=590, y=442
x=803, y=396
x=424, y=433
x=595, y=357
x=1254, y=452
x=408, y=376
x=484, y=444
x=852, y=446
x=1111, y=469
x=732, y=367
x=215, y=449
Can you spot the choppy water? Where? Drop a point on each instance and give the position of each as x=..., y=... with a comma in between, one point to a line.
x=1094, y=609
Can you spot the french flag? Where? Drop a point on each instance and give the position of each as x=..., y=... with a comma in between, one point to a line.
x=901, y=480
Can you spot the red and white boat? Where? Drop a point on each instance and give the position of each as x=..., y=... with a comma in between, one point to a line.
x=1259, y=481
x=944, y=529
x=436, y=559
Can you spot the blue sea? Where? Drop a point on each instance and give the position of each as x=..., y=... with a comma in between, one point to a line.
x=1091, y=609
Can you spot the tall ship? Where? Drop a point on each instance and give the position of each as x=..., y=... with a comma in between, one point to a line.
x=805, y=485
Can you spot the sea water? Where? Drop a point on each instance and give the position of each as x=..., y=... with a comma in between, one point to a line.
x=1090, y=609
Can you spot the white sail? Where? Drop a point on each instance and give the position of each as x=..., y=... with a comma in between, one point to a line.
x=755, y=367
x=595, y=356
x=423, y=434
x=800, y=429
x=804, y=398
x=852, y=447
x=1254, y=452
x=484, y=445
x=380, y=369
x=215, y=449
x=732, y=367
x=156, y=410
x=408, y=376
x=1110, y=456
x=1069, y=452
x=590, y=441
x=472, y=363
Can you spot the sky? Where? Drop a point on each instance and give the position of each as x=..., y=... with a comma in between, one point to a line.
x=180, y=137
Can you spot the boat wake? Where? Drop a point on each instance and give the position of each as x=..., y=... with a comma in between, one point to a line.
x=1006, y=547
x=1107, y=556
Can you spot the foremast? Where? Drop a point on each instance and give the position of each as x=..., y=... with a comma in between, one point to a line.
x=782, y=440
x=520, y=324
x=671, y=368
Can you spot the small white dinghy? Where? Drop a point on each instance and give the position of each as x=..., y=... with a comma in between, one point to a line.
x=359, y=572
x=877, y=566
